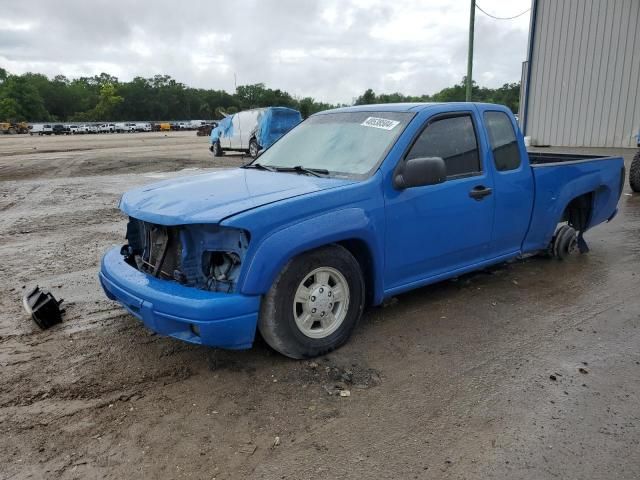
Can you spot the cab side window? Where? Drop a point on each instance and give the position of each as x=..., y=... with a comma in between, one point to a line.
x=506, y=153
x=454, y=140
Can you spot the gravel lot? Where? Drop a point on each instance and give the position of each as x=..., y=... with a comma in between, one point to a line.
x=529, y=370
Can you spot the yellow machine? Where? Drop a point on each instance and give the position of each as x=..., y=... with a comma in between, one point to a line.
x=6, y=128
x=11, y=128
x=165, y=127
x=21, y=127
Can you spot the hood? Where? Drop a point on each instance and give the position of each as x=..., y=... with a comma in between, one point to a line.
x=212, y=197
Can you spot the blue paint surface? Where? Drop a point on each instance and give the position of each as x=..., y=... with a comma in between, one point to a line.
x=273, y=123
x=408, y=238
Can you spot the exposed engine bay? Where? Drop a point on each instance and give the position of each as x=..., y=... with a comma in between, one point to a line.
x=208, y=257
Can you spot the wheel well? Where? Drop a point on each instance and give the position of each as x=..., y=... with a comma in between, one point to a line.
x=360, y=250
x=578, y=212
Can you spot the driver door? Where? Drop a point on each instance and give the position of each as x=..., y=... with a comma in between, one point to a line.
x=432, y=230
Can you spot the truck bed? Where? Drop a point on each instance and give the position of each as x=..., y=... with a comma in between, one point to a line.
x=542, y=158
x=559, y=178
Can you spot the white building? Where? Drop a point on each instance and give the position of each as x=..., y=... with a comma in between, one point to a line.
x=582, y=75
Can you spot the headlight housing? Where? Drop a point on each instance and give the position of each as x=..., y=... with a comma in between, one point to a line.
x=208, y=257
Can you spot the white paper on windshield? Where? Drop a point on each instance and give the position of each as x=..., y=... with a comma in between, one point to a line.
x=382, y=123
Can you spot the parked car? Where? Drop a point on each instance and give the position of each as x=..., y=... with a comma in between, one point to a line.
x=73, y=129
x=41, y=129
x=60, y=129
x=353, y=206
x=142, y=127
x=205, y=130
x=91, y=128
x=106, y=128
x=252, y=130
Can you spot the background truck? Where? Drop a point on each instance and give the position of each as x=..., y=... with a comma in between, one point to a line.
x=634, y=170
x=351, y=207
x=252, y=130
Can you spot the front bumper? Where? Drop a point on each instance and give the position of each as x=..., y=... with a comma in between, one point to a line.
x=226, y=320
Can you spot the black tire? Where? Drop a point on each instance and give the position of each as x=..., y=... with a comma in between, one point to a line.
x=565, y=242
x=254, y=148
x=634, y=173
x=277, y=323
x=216, y=149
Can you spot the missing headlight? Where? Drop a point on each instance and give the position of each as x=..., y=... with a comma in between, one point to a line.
x=221, y=270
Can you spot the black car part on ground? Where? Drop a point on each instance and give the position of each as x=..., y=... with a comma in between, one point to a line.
x=43, y=307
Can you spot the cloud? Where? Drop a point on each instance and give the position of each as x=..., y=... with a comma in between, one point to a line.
x=331, y=50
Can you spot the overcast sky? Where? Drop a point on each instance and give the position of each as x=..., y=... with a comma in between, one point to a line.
x=331, y=50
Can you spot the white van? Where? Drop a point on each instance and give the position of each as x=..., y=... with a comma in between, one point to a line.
x=41, y=129
x=252, y=130
x=239, y=130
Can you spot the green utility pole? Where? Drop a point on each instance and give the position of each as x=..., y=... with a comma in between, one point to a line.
x=472, y=19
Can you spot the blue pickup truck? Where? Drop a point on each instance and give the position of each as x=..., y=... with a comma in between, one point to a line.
x=350, y=207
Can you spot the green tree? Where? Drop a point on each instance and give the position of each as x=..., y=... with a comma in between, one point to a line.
x=367, y=98
x=20, y=101
x=107, y=103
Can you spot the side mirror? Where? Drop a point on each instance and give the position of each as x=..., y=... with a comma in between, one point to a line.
x=417, y=172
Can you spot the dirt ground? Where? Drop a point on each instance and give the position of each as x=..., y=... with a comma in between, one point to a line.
x=527, y=371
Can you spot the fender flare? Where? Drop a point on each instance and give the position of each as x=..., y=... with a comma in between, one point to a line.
x=275, y=250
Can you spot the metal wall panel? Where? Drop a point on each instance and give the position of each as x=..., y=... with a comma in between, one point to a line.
x=585, y=73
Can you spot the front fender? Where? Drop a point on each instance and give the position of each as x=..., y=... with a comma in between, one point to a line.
x=281, y=246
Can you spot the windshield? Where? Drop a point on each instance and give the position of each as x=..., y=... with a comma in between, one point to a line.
x=342, y=143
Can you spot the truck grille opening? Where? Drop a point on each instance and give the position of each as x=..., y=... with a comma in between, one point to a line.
x=208, y=257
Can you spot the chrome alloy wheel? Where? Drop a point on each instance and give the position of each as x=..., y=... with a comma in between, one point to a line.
x=321, y=302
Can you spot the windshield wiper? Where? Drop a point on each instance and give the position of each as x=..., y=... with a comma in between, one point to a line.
x=316, y=172
x=259, y=166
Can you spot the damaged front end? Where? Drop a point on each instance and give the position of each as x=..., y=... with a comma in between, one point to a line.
x=208, y=257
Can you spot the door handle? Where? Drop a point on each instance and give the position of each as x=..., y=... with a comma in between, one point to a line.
x=479, y=192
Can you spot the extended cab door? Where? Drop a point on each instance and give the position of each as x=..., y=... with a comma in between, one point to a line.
x=436, y=229
x=513, y=181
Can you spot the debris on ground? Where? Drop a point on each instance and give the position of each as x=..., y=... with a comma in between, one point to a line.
x=43, y=307
x=276, y=442
x=583, y=370
x=248, y=449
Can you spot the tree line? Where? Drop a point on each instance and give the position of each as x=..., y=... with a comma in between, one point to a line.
x=508, y=94
x=34, y=97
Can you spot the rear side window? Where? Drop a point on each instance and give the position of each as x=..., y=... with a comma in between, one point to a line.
x=504, y=144
x=454, y=140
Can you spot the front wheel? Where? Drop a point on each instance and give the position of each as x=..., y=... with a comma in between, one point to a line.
x=314, y=304
x=216, y=149
x=254, y=149
x=634, y=173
